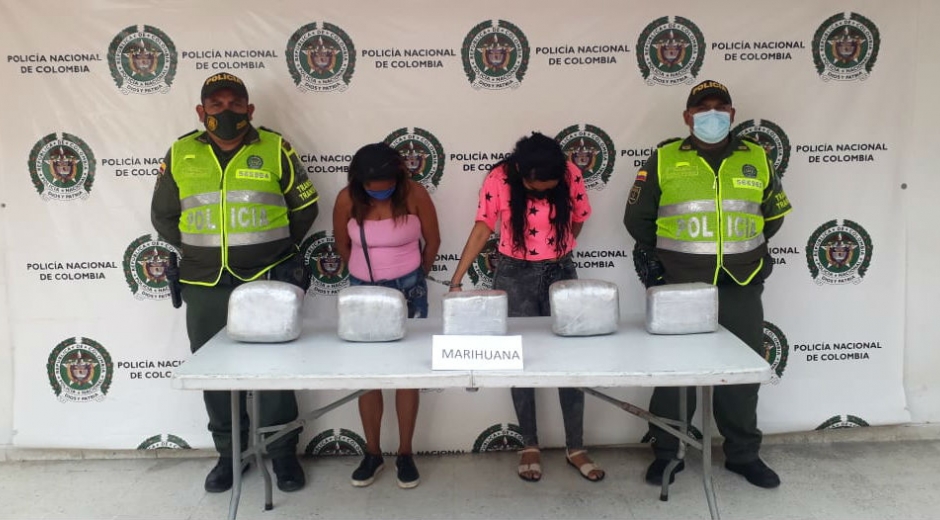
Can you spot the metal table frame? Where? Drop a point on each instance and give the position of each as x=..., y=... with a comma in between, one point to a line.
x=718, y=359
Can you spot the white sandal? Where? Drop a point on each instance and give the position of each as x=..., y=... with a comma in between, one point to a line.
x=585, y=469
x=534, y=468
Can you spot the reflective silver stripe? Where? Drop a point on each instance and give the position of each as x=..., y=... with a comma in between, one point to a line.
x=741, y=206
x=684, y=208
x=256, y=197
x=681, y=246
x=730, y=248
x=258, y=237
x=709, y=248
x=202, y=199
x=201, y=240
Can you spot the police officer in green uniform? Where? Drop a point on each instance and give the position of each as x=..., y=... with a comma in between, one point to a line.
x=236, y=201
x=701, y=210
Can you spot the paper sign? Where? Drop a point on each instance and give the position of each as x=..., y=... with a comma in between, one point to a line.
x=460, y=352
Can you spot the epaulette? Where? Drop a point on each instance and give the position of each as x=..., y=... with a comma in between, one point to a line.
x=187, y=134
x=667, y=141
x=284, y=143
x=743, y=147
x=742, y=143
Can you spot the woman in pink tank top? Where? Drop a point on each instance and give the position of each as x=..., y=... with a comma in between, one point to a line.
x=380, y=220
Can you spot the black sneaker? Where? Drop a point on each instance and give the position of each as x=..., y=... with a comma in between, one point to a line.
x=407, y=472
x=219, y=478
x=654, y=474
x=370, y=466
x=290, y=476
x=756, y=472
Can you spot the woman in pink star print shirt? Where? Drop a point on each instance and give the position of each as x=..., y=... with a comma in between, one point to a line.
x=538, y=199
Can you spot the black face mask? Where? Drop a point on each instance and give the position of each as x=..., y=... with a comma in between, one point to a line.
x=226, y=125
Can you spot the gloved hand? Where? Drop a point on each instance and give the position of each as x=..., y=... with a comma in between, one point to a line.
x=648, y=268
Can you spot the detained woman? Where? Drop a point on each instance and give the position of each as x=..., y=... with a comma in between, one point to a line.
x=538, y=200
x=386, y=230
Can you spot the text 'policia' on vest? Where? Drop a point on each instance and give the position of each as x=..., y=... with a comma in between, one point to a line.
x=718, y=215
x=239, y=215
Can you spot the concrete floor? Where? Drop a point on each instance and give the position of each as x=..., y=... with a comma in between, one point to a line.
x=865, y=479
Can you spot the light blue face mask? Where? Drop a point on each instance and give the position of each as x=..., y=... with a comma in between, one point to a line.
x=382, y=194
x=711, y=127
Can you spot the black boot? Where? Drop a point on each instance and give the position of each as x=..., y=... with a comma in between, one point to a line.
x=220, y=478
x=654, y=474
x=756, y=472
x=290, y=476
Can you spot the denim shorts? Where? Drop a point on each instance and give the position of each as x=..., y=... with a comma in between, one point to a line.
x=413, y=285
x=526, y=282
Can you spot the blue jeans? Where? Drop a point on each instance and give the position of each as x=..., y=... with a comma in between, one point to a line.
x=526, y=284
x=413, y=285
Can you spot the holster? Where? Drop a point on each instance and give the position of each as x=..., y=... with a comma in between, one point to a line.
x=173, y=281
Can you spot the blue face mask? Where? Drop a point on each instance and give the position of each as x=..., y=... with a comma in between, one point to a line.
x=381, y=195
x=711, y=127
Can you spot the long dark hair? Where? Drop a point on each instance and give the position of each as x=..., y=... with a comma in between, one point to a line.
x=374, y=162
x=538, y=158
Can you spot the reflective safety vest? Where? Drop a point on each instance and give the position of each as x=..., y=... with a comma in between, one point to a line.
x=701, y=213
x=239, y=209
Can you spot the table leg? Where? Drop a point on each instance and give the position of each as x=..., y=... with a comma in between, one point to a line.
x=259, y=450
x=679, y=429
x=669, y=425
x=236, y=457
x=680, y=452
x=707, y=452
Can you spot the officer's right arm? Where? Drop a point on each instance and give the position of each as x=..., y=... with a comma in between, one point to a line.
x=165, y=205
x=643, y=205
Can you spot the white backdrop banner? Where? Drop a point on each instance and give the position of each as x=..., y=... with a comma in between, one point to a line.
x=94, y=93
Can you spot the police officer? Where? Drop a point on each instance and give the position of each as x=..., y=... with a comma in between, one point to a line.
x=701, y=210
x=236, y=200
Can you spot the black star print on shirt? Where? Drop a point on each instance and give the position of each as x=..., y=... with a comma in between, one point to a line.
x=577, y=179
x=551, y=241
x=488, y=196
x=533, y=232
x=533, y=210
x=533, y=252
x=584, y=213
x=580, y=196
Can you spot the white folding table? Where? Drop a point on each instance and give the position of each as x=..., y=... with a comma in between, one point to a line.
x=319, y=360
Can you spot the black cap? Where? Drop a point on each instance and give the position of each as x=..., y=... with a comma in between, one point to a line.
x=707, y=89
x=376, y=162
x=222, y=80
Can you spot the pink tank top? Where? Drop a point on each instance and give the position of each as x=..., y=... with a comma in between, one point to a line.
x=394, y=248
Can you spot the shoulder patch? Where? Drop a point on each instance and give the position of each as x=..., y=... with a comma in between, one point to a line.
x=667, y=141
x=187, y=134
x=634, y=194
